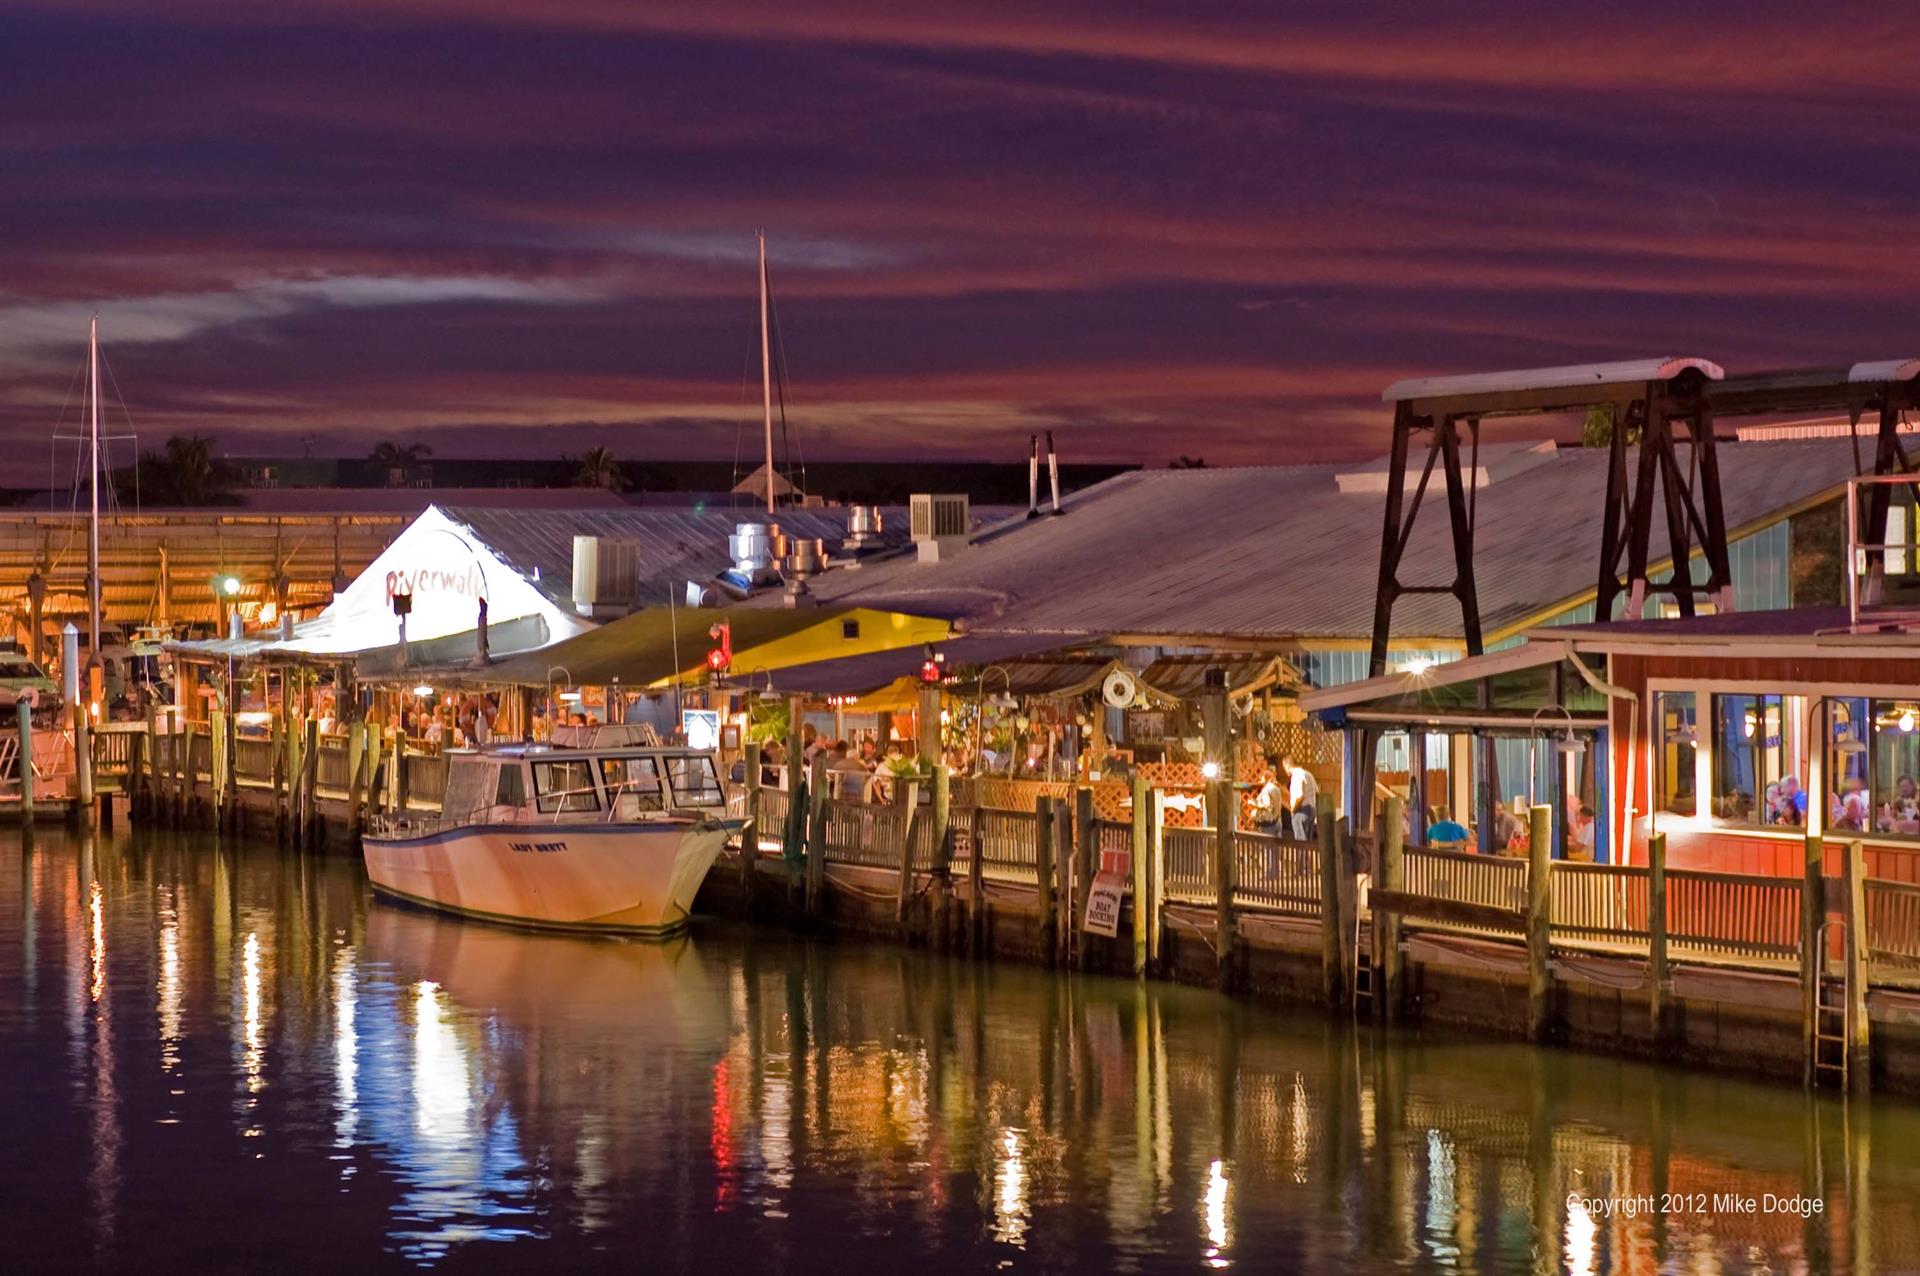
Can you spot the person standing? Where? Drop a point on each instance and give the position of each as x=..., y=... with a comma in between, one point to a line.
x=1269, y=809
x=1303, y=792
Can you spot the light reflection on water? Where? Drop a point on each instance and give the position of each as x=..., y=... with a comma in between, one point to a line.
x=203, y=1045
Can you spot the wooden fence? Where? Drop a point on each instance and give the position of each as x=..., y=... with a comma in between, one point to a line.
x=1893, y=925
x=1464, y=878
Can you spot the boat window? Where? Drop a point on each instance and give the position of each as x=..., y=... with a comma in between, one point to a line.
x=693, y=779
x=513, y=789
x=468, y=786
x=633, y=785
x=565, y=786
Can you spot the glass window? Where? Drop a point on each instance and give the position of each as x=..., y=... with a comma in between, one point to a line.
x=565, y=786
x=1679, y=743
x=1849, y=800
x=693, y=779
x=633, y=785
x=512, y=789
x=1759, y=759
x=1896, y=767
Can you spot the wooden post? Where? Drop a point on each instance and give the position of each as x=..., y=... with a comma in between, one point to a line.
x=1043, y=874
x=816, y=833
x=356, y=781
x=1659, y=981
x=1063, y=878
x=750, y=831
x=309, y=776
x=976, y=885
x=23, y=717
x=1222, y=802
x=942, y=815
x=1813, y=960
x=906, y=801
x=1539, y=920
x=1333, y=931
x=401, y=789
x=1086, y=861
x=1859, y=1060
x=150, y=779
x=1141, y=847
x=83, y=758
x=1389, y=963
x=1156, y=880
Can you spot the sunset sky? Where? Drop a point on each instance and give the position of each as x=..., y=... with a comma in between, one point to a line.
x=521, y=228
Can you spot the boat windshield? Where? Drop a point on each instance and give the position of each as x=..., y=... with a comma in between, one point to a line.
x=633, y=785
x=564, y=785
x=694, y=781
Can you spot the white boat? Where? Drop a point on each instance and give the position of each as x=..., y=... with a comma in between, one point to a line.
x=613, y=839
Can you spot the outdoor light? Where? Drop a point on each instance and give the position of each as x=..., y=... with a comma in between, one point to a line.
x=1418, y=666
x=230, y=585
x=571, y=697
x=1906, y=720
x=1211, y=770
x=423, y=691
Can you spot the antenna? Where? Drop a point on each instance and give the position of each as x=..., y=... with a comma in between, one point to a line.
x=766, y=366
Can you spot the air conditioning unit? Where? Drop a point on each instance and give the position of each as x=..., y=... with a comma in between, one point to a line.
x=606, y=575
x=938, y=524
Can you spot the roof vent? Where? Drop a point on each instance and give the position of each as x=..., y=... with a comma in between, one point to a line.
x=1496, y=462
x=754, y=549
x=605, y=575
x=938, y=524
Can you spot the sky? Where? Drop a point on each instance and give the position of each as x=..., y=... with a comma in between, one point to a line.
x=526, y=227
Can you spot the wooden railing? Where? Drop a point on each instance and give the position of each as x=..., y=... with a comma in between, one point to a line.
x=1732, y=915
x=113, y=749
x=1189, y=865
x=1004, y=793
x=1599, y=902
x=1110, y=835
x=864, y=833
x=1006, y=844
x=199, y=754
x=1486, y=880
x=1276, y=874
x=253, y=760
x=330, y=769
x=426, y=778
x=770, y=814
x=1893, y=924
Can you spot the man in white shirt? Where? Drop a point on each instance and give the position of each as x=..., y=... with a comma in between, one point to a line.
x=1302, y=792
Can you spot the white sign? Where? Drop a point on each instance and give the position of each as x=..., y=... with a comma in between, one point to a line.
x=702, y=728
x=1103, y=904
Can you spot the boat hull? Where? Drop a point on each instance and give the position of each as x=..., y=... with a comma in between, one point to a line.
x=627, y=879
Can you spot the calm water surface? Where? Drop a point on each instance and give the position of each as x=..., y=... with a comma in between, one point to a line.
x=231, y=1057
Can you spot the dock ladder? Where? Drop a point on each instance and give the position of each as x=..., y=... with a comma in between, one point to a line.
x=1365, y=993
x=1831, y=1029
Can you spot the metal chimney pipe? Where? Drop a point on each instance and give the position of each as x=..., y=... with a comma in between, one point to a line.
x=236, y=629
x=1053, y=475
x=482, y=655
x=1033, y=476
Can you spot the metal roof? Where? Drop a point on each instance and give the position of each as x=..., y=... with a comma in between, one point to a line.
x=676, y=544
x=1885, y=370
x=1281, y=555
x=1664, y=368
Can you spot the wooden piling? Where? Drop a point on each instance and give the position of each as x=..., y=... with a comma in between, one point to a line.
x=941, y=812
x=1539, y=921
x=976, y=886
x=356, y=780
x=309, y=777
x=816, y=833
x=1063, y=920
x=150, y=778
x=906, y=801
x=750, y=831
x=1858, y=1058
x=83, y=759
x=1043, y=874
x=1659, y=980
x=1138, y=863
x=1086, y=862
x=1334, y=935
x=1222, y=803
x=1813, y=958
x=1389, y=963
x=23, y=717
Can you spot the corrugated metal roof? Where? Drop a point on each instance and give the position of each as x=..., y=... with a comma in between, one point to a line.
x=858, y=675
x=1277, y=554
x=676, y=544
x=1884, y=370
x=1664, y=368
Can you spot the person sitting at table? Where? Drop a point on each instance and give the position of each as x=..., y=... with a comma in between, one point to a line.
x=1445, y=833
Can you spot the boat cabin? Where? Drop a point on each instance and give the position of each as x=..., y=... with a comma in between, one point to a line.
x=539, y=782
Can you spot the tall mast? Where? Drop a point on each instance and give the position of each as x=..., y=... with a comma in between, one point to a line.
x=93, y=482
x=766, y=366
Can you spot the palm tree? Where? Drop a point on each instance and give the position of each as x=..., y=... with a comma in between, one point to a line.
x=184, y=472
x=397, y=459
x=598, y=468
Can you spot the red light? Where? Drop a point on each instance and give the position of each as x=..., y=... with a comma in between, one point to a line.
x=929, y=671
x=720, y=658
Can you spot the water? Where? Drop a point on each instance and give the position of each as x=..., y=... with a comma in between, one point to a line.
x=217, y=1057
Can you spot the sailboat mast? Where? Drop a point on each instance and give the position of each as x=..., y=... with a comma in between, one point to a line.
x=93, y=482
x=766, y=366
